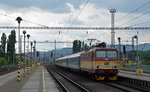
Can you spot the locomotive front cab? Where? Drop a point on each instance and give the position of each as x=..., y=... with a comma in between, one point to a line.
x=106, y=63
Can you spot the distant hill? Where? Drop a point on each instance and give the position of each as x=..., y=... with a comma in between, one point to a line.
x=141, y=47
x=67, y=51
x=47, y=54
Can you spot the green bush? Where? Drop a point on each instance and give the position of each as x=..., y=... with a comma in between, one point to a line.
x=3, y=61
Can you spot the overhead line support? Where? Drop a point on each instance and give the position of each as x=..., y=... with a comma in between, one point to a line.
x=78, y=28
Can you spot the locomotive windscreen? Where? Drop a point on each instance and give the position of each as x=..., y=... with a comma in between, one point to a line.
x=106, y=54
x=100, y=54
x=111, y=53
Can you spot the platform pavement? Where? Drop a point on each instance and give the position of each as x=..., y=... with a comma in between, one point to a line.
x=7, y=77
x=34, y=84
x=37, y=81
x=131, y=74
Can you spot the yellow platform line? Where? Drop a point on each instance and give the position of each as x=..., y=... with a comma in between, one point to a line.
x=44, y=90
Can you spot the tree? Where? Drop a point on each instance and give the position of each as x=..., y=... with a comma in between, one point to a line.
x=3, y=44
x=2, y=61
x=11, y=46
x=76, y=46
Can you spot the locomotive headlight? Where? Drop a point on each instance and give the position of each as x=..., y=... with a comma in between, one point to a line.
x=98, y=67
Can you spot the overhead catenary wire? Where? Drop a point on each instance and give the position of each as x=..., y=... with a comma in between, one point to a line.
x=139, y=24
x=80, y=12
x=79, y=1
x=76, y=6
x=135, y=18
x=34, y=23
x=6, y=15
x=133, y=11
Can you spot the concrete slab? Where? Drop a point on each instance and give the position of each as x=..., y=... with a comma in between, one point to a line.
x=144, y=76
x=50, y=85
x=7, y=77
x=40, y=81
x=32, y=85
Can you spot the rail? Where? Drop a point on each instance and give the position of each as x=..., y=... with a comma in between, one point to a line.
x=71, y=81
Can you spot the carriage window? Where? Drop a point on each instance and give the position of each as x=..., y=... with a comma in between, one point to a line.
x=100, y=54
x=111, y=54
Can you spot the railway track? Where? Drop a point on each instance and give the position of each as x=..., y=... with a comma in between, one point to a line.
x=6, y=70
x=66, y=83
x=120, y=87
x=96, y=86
x=143, y=89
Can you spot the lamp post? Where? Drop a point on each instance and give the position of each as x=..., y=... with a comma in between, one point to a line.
x=34, y=54
x=137, y=58
x=119, y=39
x=133, y=49
x=19, y=19
x=136, y=37
x=28, y=36
x=31, y=55
x=24, y=63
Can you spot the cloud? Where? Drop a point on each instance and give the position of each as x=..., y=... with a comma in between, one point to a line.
x=56, y=6
x=92, y=15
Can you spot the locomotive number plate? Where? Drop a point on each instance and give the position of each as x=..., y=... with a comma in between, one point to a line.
x=106, y=63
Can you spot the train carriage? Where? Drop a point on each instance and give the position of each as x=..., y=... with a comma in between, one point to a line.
x=70, y=61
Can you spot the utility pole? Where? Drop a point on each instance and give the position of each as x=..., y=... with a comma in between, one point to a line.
x=137, y=58
x=133, y=49
x=34, y=54
x=18, y=19
x=55, y=51
x=112, y=11
x=28, y=36
x=31, y=56
x=119, y=40
x=24, y=63
x=21, y=47
x=44, y=57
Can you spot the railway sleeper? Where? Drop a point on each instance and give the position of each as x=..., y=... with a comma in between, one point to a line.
x=145, y=84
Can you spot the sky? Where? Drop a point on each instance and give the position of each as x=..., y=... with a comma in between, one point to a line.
x=62, y=13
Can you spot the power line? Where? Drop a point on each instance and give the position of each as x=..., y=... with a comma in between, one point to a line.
x=80, y=12
x=23, y=20
x=34, y=23
x=78, y=3
x=139, y=23
x=133, y=11
x=136, y=18
x=75, y=9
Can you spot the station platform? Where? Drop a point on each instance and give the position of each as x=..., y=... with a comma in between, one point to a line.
x=133, y=75
x=37, y=81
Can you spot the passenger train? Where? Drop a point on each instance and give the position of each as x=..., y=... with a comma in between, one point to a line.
x=99, y=62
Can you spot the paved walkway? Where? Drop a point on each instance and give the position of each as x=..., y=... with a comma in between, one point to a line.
x=129, y=74
x=37, y=81
x=7, y=77
x=40, y=81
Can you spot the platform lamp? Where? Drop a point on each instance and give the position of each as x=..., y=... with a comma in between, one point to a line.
x=28, y=36
x=34, y=54
x=137, y=58
x=24, y=63
x=31, y=55
x=19, y=19
x=119, y=40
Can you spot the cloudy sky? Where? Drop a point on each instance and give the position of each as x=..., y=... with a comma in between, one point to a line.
x=62, y=13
